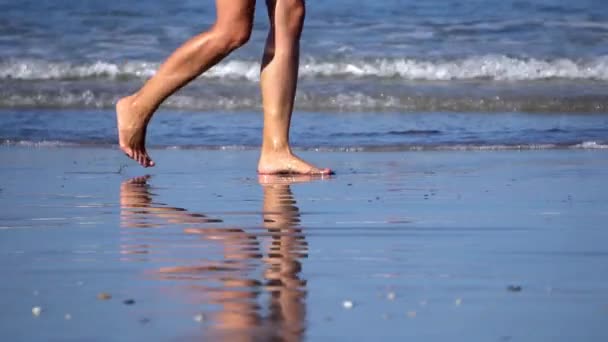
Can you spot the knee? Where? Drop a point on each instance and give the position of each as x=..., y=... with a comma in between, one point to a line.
x=233, y=36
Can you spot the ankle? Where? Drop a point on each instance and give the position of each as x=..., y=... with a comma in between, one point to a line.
x=276, y=149
x=139, y=107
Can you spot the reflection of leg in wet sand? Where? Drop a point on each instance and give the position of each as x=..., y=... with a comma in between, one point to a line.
x=225, y=283
x=288, y=245
x=139, y=211
x=228, y=283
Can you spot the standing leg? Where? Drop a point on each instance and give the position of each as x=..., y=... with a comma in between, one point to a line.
x=230, y=31
x=278, y=81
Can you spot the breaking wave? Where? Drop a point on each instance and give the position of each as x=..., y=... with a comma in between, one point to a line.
x=488, y=67
x=355, y=101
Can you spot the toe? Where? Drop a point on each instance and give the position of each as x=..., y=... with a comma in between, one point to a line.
x=143, y=160
x=135, y=156
x=149, y=162
x=140, y=159
x=128, y=152
x=325, y=171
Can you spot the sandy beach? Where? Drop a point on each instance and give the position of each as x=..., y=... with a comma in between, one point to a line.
x=435, y=245
x=469, y=141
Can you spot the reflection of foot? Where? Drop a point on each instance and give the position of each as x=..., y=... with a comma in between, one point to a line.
x=287, y=163
x=141, y=180
x=134, y=193
x=135, y=199
x=132, y=132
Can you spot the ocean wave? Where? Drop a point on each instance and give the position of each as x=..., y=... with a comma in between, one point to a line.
x=488, y=67
x=350, y=101
x=585, y=145
x=43, y=143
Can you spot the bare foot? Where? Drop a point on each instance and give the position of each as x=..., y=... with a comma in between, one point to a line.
x=132, y=132
x=272, y=163
x=288, y=179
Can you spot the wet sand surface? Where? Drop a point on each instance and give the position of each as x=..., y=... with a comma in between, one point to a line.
x=434, y=246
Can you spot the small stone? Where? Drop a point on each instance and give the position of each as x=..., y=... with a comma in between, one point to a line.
x=67, y=317
x=411, y=314
x=347, y=304
x=36, y=292
x=128, y=301
x=79, y=283
x=514, y=288
x=144, y=320
x=391, y=296
x=199, y=318
x=423, y=303
x=104, y=296
x=458, y=301
x=36, y=311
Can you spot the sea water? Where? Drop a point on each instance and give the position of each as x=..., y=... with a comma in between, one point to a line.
x=374, y=74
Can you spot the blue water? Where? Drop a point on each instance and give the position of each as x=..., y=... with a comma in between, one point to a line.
x=392, y=57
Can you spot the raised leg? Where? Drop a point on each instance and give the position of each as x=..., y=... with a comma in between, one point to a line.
x=230, y=31
x=278, y=83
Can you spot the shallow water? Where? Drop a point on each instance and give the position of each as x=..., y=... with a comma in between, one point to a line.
x=316, y=131
x=433, y=245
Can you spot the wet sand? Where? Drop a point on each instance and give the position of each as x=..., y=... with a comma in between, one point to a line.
x=434, y=246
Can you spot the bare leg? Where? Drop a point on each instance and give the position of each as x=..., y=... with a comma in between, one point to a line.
x=230, y=31
x=278, y=82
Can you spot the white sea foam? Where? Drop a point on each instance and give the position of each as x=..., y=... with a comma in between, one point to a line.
x=590, y=145
x=349, y=100
x=491, y=67
x=32, y=143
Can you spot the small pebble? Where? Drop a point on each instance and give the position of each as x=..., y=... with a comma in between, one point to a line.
x=199, y=318
x=67, y=317
x=144, y=320
x=36, y=311
x=458, y=301
x=128, y=301
x=423, y=303
x=347, y=304
x=411, y=314
x=36, y=292
x=104, y=296
x=391, y=296
x=514, y=288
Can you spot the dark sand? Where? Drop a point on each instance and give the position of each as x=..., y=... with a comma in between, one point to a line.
x=428, y=246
